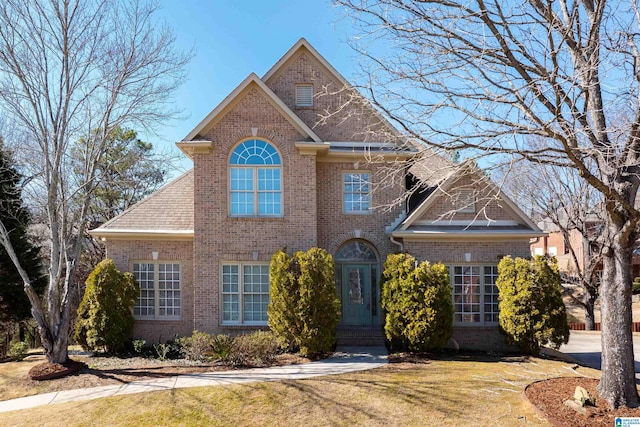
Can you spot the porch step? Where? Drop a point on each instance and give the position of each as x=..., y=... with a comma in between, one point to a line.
x=360, y=336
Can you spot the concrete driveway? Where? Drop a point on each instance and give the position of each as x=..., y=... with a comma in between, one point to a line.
x=585, y=347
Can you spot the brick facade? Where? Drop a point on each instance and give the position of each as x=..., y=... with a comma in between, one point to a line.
x=125, y=252
x=312, y=200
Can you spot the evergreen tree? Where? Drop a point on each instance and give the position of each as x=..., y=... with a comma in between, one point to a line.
x=416, y=299
x=531, y=309
x=14, y=304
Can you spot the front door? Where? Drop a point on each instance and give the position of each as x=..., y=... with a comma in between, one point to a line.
x=356, y=294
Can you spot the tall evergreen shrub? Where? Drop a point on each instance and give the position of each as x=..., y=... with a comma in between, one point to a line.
x=532, y=312
x=416, y=299
x=105, y=317
x=304, y=310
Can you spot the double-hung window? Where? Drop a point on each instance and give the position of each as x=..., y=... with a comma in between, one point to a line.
x=245, y=293
x=356, y=192
x=160, y=290
x=475, y=294
x=255, y=185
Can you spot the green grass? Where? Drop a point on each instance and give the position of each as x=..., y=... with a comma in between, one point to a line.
x=458, y=391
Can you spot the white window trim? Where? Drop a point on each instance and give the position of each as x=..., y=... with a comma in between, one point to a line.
x=307, y=101
x=369, y=211
x=255, y=192
x=156, y=287
x=241, y=265
x=482, y=322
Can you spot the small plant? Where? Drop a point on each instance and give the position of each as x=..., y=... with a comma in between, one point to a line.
x=162, y=350
x=636, y=285
x=197, y=347
x=221, y=346
x=256, y=349
x=138, y=345
x=18, y=350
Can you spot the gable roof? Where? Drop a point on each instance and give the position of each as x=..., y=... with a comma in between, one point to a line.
x=167, y=214
x=472, y=229
x=231, y=99
x=304, y=44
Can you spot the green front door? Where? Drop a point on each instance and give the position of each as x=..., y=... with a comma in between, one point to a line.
x=356, y=294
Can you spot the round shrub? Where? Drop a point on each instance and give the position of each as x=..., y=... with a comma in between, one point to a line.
x=416, y=299
x=105, y=317
x=256, y=349
x=197, y=347
x=532, y=312
x=18, y=350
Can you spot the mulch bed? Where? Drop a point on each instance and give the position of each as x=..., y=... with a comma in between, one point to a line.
x=50, y=371
x=548, y=397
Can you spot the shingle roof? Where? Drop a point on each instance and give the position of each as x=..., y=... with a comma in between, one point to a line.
x=431, y=168
x=170, y=208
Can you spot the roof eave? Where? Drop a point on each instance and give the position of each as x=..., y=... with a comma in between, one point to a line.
x=105, y=234
x=435, y=236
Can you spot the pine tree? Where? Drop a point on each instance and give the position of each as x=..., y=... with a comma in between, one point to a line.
x=14, y=304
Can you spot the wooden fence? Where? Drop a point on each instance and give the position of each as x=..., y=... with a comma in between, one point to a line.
x=635, y=327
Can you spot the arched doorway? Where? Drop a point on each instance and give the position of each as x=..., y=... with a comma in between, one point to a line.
x=357, y=269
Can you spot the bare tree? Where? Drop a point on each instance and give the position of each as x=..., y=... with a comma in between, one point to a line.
x=559, y=197
x=75, y=70
x=482, y=76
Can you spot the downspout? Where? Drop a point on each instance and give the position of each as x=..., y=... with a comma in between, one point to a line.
x=397, y=243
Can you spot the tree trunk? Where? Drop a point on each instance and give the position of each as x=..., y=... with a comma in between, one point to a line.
x=618, y=382
x=589, y=314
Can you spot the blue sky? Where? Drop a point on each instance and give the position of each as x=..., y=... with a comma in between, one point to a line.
x=233, y=39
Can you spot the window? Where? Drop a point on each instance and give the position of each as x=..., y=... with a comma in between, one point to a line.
x=255, y=180
x=245, y=293
x=304, y=95
x=465, y=201
x=475, y=294
x=160, y=290
x=356, y=192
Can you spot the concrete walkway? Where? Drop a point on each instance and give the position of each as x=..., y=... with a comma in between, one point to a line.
x=344, y=360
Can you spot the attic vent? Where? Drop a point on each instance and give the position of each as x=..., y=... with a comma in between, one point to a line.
x=304, y=95
x=465, y=201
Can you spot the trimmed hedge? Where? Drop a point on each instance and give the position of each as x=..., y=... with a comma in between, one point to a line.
x=304, y=308
x=531, y=309
x=416, y=299
x=105, y=319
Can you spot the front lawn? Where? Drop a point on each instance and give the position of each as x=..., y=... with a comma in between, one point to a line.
x=445, y=391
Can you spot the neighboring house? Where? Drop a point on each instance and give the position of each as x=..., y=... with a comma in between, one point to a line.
x=268, y=174
x=585, y=247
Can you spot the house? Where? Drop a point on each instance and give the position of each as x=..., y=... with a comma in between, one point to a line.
x=285, y=161
x=564, y=235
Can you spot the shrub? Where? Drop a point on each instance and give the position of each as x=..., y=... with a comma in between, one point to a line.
x=255, y=349
x=531, y=309
x=162, y=350
x=138, y=345
x=417, y=303
x=221, y=346
x=304, y=310
x=18, y=350
x=283, y=317
x=105, y=319
x=197, y=347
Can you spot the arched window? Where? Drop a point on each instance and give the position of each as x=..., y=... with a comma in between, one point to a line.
x=356, y=251
x=255, y=185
